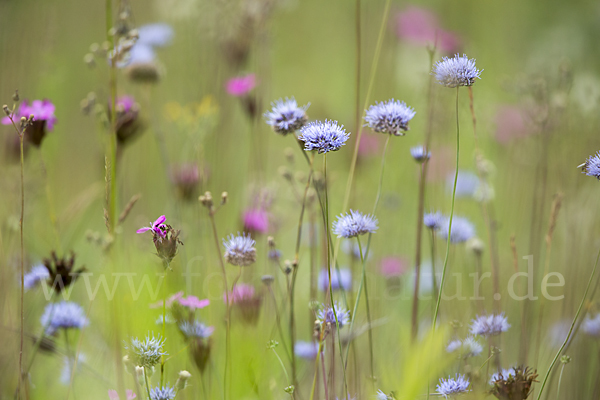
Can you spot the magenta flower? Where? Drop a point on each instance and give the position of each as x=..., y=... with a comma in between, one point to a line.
x=125, y=103
x=421, y=27
x=174, y=297
x=42, y=110
x=156, y=228
x=256, y=221
x=241, y=85
x=113, y=395
x=393, y=266
x=193, y=303
x=240, y=293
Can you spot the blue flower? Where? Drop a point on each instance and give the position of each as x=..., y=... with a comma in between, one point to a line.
x=354, y=224
x=433, y=220
x=390, y=116
x=591, y=326
x=489, y=325
x=164, y=393
x=196, y=329
x=504, y=375
x=306, y=350
x=326, y=315
x=323, y=136
x=148, y=352
x=286, y=117
x=420, y=153
x=63, y=315
x=592, y=166
x=468, y=347
x=382, y=396
x=341, y=279
x=456, y=71
x=155, y=35
x=38, y=273
x=452, y=386
x=467, y=184
x=239, y=250
x=462, y=230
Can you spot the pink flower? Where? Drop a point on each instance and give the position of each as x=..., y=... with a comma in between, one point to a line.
x=393, y=266
x=421, y=27
x=192, y=302
x=256, y=220
x=156, y=227
x=369, y=145
x=175, y=297
x=113, y=395
x=241, y=85
x=240, y=293
x=125, y=103
x=42, y=110
x=511, y=123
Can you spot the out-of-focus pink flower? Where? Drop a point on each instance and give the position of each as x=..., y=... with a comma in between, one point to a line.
x=241, y=292
x=42, y=110
x=175, y=297
x=113, y=395
x=393, y=266
x=421, y=26
x=440, y=164
x=125, y=103
x=256, y=221
x=193, y=303
x=370, y=145
x=241, y=85
x=511, y=123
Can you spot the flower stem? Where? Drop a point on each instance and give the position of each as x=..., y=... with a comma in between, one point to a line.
x=364, y=280
x=570, y=330
x=164, y=324
x=560, y=381
x=146, y=380
x=22, y=322
x=314, y=384
x=437, y=305
x=228, y=312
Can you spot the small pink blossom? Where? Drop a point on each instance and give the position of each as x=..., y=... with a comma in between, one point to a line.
x=256, y=220
x=421, y=27
x=113, y=395
x=240, y=293
x=42, y=110
x=175, y=297
x=156, y=227
x=125, y=103
x=511, y=123
x=193, y=303
x=370, y=145
x=241, y=85
x=393, y=266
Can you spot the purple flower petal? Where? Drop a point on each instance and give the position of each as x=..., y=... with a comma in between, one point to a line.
x=159, y=221
x=144, y=229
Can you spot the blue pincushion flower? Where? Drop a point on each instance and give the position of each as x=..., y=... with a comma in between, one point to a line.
x=420, y=154
x=503, y=375
x=323, y=136
x=286, y=116
x=433, y=220
x=462, y=230
x=38, y=274
x=591, y=326
x=453, y=386
x=148, y=352
x=326, y=315
x=239, y=250
x=306, y=350
x=354, y=224
x=489, y=325
x=196, y=329
x=591, y=167
x=63, y=315
x=456, y=71
x=390, y=116
x=164, y=393
x=469, y=347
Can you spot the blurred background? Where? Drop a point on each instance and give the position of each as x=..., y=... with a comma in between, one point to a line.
x=194, y=123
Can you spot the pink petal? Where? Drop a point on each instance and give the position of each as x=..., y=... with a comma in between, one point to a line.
x=130, y=395
x=193, y=302
x=159, y=221
x=6, y=121
x=113, y=395
x=142, y=230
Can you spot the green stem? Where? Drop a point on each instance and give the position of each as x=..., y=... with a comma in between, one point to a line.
x=146, y=380
x=437, y=306
x=364, y=280
x=164, y=324
x=560, y=381
x=570, y=330
x=314, y=384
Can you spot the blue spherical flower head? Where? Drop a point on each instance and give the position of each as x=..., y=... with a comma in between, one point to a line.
x=306, y=350
x=591, y=325
x=489, y=325
x=146, y=353
x=468, y=347
x=354, y=224
x=591, y=167
x=433, y=220
x=323, y=136
x=164, y=393
x=453, y=386
x=456, y=71
x=326, y=315
x=239, y=250
x=63, y=315
x=503, y=375
x=38, y=274
x=390, y=116
x=196, y=329
x=286, y=117
x=462, y=230
x=420, y=154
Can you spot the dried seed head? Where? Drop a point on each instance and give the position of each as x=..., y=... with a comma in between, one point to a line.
x=15, y=96
x=6, y=110
x=223, y=198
